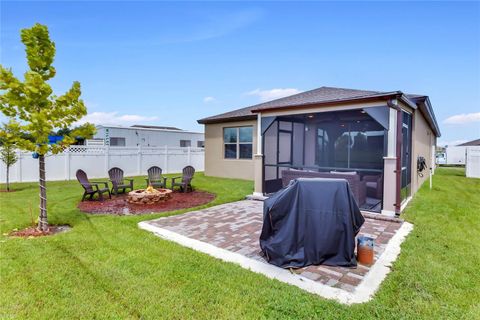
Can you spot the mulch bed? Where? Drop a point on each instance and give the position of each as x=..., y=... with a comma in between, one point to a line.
x=32, y=232
x=118, y=205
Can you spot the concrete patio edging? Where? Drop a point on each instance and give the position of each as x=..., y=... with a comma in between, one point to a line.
x=363, y=293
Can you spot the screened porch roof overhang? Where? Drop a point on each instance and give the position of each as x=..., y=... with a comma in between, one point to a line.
x=378, y=113
x=329, y=98
x=415, y=102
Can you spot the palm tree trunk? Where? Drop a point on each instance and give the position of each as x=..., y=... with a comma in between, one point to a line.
x=42, y=219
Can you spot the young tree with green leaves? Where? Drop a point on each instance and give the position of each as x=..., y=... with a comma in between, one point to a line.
x=8, y=134
x=32, y=104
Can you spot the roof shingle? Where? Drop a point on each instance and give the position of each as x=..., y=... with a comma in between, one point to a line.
x=326, y=96
x=316, y=96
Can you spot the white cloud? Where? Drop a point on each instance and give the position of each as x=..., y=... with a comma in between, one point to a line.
x=463, y=118
x=113, y=118
x=209, y=99
x=267, y=95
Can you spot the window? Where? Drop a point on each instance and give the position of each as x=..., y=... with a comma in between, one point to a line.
x=117, y=142
x=185, y=143
x=238, y=142
x=200, y=144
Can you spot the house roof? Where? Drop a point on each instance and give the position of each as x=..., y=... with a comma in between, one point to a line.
x=470, y=143
x=324, y=96
x=154, y=127
x=318, y=96
x=148, y=128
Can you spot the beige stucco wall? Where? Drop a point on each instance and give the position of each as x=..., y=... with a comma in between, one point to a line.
x=215, y=163
x=423, y=140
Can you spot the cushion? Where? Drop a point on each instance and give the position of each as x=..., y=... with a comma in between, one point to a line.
x=371, y=184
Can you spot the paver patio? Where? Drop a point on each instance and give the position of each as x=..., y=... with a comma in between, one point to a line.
x=236, y=227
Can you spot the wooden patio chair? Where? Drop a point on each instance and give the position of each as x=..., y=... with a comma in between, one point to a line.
x=186, y=182
x=155, y=178
x=91, y=187
x=118, y=181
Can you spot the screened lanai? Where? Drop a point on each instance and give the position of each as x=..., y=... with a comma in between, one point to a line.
x=341, y=144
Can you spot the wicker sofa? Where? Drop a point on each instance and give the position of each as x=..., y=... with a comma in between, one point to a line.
x=358, y=187
x=374, y=185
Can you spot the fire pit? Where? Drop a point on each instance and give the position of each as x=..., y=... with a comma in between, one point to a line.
x=148, y=196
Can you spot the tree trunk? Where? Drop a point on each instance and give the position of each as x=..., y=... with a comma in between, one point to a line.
x=8, y=180
x=42, y=219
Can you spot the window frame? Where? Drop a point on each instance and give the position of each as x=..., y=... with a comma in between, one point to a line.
x=237, y=143
x=117, y=139
x=189, y=142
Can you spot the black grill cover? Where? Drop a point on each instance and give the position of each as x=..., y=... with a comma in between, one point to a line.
x=311, y=221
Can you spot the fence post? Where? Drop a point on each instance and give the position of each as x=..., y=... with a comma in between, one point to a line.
x=166, y=159
x=67, y=163
x=139, y=160
x=189, y=156
x=106, y=151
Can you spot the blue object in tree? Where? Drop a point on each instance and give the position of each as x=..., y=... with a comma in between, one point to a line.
x=54, y=139
x=35, y=155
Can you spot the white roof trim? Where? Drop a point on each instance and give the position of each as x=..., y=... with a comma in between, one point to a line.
x=147, y=129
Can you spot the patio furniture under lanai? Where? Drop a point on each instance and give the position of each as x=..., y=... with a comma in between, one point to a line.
x=187, y=176
x=374, y=184
x=118, y=181
x=357, y=185
x=91, y=187
x=155, y=178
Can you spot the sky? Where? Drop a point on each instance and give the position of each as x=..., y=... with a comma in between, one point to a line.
x=172, y=63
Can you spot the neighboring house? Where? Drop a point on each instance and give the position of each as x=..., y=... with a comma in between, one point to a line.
x=148, y=136
x=373, y=139
x=457, y=154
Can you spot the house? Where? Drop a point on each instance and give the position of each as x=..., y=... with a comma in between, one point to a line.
x=148, y=136
x=457, y=154
x=375, y=140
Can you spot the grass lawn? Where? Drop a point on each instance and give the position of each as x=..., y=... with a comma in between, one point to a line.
x=105, y=267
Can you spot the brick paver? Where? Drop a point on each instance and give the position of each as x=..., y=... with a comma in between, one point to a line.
x=236, y=227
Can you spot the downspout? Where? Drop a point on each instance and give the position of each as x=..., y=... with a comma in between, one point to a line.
x=398, y=168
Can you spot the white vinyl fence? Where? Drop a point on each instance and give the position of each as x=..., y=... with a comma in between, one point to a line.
x=97, y=160
x=472, y=168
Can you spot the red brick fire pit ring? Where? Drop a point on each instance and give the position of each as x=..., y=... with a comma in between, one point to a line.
x=119, y=205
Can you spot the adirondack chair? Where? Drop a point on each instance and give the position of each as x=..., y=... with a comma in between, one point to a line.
x=91, y=187
x=118, y=181
x=155, y=178
x=185, y=183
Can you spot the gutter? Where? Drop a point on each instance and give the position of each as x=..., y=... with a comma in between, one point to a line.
x=431, y=115
x=408, y=102
x=229, y=119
